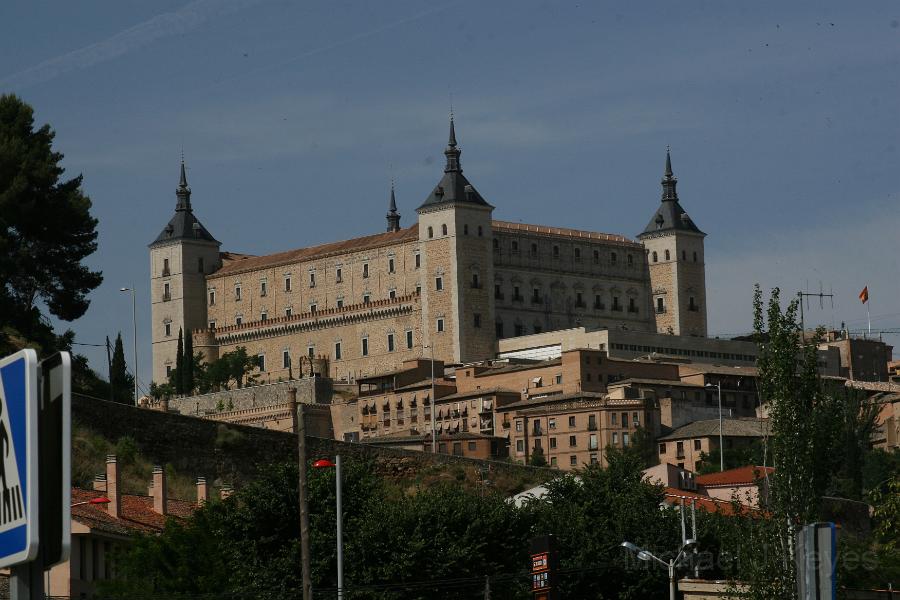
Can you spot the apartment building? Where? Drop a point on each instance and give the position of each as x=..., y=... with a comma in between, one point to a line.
x=685, y=445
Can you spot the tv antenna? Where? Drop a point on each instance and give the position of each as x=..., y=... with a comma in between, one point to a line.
x=821, y=295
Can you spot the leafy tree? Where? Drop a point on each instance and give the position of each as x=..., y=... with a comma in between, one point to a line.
x=734, y=457
x=178, y=378
x=46, y=231
x=643, y=445
x=240, y=366
x=537, y=458
x=592, y=513
x=119, y=377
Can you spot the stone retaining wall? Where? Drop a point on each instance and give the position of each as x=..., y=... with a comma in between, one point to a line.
x=310, y=390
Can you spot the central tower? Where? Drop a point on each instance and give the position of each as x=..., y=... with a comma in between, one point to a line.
x=674, y=246
x=455, y=233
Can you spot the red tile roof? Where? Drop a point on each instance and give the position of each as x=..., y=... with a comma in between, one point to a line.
x=674, y=496
x=137, y=514
x=243, y=263
x=739, y=476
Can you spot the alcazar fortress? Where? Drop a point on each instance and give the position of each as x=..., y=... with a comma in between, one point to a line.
x=452, y=284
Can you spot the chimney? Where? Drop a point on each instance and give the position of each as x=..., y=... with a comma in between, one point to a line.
x=112, y=487
x=202, y=491
x=226, y=491
x=159, y=490
x=100, y=482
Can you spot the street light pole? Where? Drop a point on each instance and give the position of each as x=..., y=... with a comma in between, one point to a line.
x=134, y=338
x=646, y=556
x=721, y=435
x=321, y=464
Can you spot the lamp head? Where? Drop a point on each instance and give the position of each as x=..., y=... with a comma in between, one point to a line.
x=124, y=289
x=631, y=547
x=323, y=463
x=100, y=500
x=689, y=543
x=644, y=555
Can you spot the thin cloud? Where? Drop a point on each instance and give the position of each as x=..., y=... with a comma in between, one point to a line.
x=185, y=19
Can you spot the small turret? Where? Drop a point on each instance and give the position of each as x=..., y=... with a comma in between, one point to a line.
x=393, y=217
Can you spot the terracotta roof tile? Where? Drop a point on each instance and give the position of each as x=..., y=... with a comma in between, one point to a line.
x=243, y=263
x=137, y=514
x=731, y=477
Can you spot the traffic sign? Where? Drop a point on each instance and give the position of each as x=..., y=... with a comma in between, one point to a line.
x=55, y=451
x=18, y=458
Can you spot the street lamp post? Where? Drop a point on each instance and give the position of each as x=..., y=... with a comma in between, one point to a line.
x=721, y=435
x=323, y=463
x=134, y=338
x=646, y=556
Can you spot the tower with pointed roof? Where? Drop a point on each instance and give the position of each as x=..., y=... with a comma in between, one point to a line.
x=180, y=258
x=393, y=217
x=455, y=234
x=674, y=246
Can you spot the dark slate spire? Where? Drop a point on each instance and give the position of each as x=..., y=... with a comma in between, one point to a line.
x=184, y=225
x=670, y=215
x=393, y=217
x=452, y=152
x=183, y=193
x=668, y=181
x=453, y=187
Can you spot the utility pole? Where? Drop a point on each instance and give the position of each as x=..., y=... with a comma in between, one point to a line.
x=487, y=588
x=304, y=504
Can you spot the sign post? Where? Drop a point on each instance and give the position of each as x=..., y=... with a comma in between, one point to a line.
x=19, y=470
x=55, y=443
x=543, y=568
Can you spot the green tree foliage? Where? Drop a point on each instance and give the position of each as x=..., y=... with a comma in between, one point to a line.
x=751, y=454
x=537, y=458
x=592, y=513
x=178, y=378
x=643, y=445
x=46, y=231
x=187, y=383
x=233, y=368
x=119, y=377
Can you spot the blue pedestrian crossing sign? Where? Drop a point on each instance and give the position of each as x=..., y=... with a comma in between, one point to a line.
x=18, y=458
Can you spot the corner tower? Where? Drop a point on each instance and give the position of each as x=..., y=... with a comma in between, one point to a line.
x=180, y=258
x=458, y=271
x=674, y=246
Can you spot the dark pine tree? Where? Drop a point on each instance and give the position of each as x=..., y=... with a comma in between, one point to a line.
x=179, y=363
x=187, y=377
x=119, y=378
x=47, y=231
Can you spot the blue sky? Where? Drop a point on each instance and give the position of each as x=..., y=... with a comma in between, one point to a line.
x=782, y=117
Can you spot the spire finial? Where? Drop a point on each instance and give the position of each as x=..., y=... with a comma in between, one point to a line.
x=668, y=181
x=393, y=217
x=452, y=141
x=183, y=192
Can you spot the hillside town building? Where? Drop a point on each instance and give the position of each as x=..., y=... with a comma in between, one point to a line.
x=451, y=285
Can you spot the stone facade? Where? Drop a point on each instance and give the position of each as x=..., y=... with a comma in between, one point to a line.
x=451, y=286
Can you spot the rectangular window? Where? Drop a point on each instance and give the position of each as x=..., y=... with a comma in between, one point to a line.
x=471, y=446
x=288, y=312
x=238, y=320
x=200, y=265
x=614, y=418
x=558, y=379
x=551, y=423
x=571, y=421
x=165, y=271
x=310, y=351
x=390, y=265
x=212, y=324
x=592, y=442
x=520, y=446
x=366, y=297
x=285, y=359
x=476, y=320
x=337, y=351
x=552, y=443
x=518, y=425
x=212, y=297
x=263, y=289
x=440, y=325
x=615, y=441
x=287, y=284
x=237, y=294
x=263, y=316
x=390, y=342
x=696, y=444
x=312, y=279
x=365, y=346
x=624, y=438
x=261, y=362
x=365, y=270
x=167, y=294
x=624, y=419
x=438, y=283
x=573, y=460
x=418, y=260
x=338, y=275
x=409, y=339
x=573, y=441
x=340, y=303
x=392, y=294
x=313, y=308
x=168, y=329
x=635, y=419
x=662, y=448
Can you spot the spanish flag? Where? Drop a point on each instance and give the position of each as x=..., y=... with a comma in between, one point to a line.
x=864, y=295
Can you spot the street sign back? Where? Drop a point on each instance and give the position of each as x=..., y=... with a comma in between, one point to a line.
x=55, y=442
x=18, y=458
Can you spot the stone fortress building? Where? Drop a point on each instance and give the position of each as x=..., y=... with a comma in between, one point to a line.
x=449, y=286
